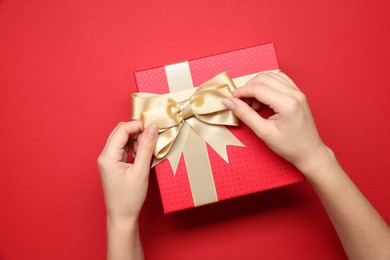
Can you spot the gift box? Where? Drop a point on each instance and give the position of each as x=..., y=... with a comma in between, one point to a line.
x=208, y=162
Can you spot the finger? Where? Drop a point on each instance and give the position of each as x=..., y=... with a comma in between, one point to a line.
x=267, y=78
x=113, y=131
x=249, y=116
x=267, y=95
x=121, y=134
x=135, y=145
x=125, y=155
x=144, y=154
x=283, y=75
x=281, y=79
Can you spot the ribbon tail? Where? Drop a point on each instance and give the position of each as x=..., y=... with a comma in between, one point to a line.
x=218, y=137
x=176, y=150
x=200, y=175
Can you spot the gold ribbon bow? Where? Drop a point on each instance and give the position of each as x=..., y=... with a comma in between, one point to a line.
x=170, y=111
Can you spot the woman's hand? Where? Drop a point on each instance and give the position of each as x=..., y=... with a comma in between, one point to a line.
x=125, y=184
x=291, y=131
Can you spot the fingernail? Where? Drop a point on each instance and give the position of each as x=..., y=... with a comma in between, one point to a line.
x=152, y=131
x=229, y=104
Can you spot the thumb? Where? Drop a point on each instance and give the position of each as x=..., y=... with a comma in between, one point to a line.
x=145, y=150
x=247, y=115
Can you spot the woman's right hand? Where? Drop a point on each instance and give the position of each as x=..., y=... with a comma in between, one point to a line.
x=291, y=131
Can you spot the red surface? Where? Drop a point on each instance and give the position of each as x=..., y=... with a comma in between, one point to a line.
x=252, y=168
x=65, y=81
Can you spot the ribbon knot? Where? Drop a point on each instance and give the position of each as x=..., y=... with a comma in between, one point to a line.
x=185, y=110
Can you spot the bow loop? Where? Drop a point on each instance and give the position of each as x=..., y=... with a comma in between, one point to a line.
x=164, y=117
x=207, y=105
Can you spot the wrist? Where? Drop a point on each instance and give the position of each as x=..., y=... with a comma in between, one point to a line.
x=120, y=223
x=322, y=157
x=123, y=239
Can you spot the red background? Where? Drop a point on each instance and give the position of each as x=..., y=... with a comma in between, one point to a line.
x=65, y=81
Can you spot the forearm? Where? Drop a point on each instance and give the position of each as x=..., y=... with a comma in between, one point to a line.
x=123, y=241
x=362, y=231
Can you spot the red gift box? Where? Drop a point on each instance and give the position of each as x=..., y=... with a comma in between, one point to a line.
x=252, y=168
